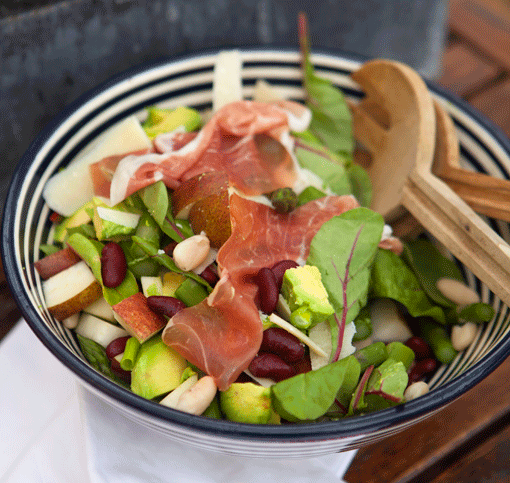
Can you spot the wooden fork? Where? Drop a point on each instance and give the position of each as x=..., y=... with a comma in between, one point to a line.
x=401, y=138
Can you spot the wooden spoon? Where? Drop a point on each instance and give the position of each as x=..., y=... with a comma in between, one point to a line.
x=485, y=194
x=401, y=140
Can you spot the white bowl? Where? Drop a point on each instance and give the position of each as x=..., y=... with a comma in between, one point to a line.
x=188, y=81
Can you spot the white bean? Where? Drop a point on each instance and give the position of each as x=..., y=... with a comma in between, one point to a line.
x=456, y=291
x=388, y=324
x=197, y=398
x=416, y=389
x=463, y=335
x=190, y=253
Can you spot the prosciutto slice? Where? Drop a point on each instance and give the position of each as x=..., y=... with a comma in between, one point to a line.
x=248, y=140
x=222, y=334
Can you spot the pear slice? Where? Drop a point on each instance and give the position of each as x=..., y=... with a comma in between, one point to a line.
x=71, y=290
x=102, y=309
x=98, y=330
x=124, y=137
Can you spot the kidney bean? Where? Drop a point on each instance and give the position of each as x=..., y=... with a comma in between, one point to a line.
x=419, y=346
x=118, y=371
x=169, y=249
x=116, y=347
x=164, y=305
x=421, y=369
x=268, y=290
x=210, y=276
x=279, y=269
x=280, y=342
x=271, y=366
x=113, y=265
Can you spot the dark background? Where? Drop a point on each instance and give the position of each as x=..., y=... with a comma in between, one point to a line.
x=52, y=51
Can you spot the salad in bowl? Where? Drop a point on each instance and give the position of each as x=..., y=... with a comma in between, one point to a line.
x=226, y=263
x=194, y=240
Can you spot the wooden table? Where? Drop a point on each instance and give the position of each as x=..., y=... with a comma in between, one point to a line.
x=468, y=441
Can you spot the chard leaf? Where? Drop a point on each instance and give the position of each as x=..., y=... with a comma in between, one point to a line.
x=343, y=250
x=331, y=118
x=325, y=164
x=90, y=251
x=392, y=278
x=357, y=403
x=309, y=395
x=96, y=356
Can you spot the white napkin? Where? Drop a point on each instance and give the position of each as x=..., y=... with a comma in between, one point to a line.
x=57, y=431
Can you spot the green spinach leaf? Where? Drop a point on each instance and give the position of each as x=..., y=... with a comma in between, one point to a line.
x=308, y=396
x=392, y=278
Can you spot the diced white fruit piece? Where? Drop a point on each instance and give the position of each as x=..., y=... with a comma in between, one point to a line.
x=99, y=330
x=197, y=398
x=282, y=308
x=321, y=335
x=151, y=286
x=102, y=309
x=227, y=81
x=173, y=397
x=118, y=217
x=70, y=290
x=265, y=92
x=72, y=321
x=275, y=319
x=263, y=381
x=388, y=325
x=72, y=187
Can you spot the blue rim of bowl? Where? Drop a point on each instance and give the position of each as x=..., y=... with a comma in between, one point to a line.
x=348, y=427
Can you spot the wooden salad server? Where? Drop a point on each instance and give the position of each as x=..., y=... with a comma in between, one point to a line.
x=396, y=123
x=486, y=194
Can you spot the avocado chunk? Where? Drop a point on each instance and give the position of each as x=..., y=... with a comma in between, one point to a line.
x=113, y=222
x=247, y=402
x=165, y=120
x=80, y=217
x=306, y=296
x=157, y=369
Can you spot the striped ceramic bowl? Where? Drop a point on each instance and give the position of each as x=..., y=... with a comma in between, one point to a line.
x=188, y=81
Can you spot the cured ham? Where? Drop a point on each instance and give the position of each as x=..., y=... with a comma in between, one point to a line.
x=222, y=334
x=250, y=141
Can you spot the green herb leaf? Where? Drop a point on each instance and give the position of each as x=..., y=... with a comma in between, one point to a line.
x=166, y=261
x=361, y=184
x=155, y=198
x=308, y=396
x=331, y=118
x=429, y=265
x=325, y=164
x=392, y=278
x=90, y=251
x=49, y=249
